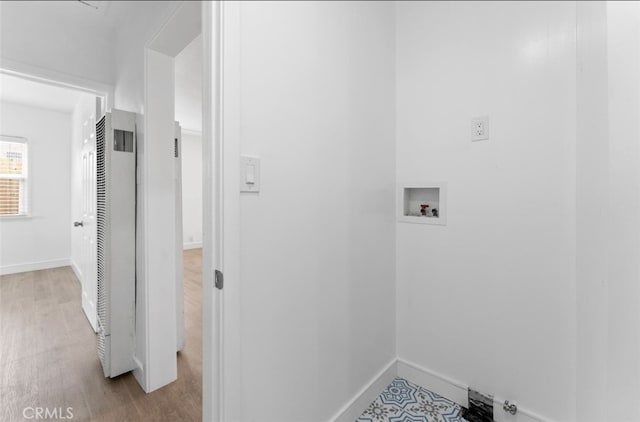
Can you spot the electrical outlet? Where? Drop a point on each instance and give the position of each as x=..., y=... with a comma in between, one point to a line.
x=480, y=128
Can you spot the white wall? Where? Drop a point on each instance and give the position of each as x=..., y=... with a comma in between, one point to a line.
x=191, y=190
x=592, y=181
x=623, y=243
x=489, y=299
x=43, y=239
x=317, y=243
x=142, y=22
x=188, y=99
x=188, y=67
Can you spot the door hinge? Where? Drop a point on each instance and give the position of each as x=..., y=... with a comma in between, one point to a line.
x=219, y=280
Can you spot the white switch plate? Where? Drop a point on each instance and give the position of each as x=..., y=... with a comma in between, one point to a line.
x=480, y=128
x=249, y=174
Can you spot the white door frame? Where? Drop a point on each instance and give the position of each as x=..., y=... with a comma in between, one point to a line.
x=221, y=340
x=59, y=79
x=227, y=316
x=213, y=216
x=219, y=168
x=67, y=81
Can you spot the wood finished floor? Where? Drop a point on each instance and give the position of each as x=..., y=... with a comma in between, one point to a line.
x=48, y=354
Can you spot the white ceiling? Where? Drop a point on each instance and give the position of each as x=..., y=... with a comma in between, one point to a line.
x=188, y=68
x=107, y=14
x=17, y=90
x=188, y=63
x=181, y=29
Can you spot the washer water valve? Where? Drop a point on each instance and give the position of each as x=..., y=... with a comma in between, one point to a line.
x=510, y=407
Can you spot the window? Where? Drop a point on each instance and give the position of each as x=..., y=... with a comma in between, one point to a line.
x=13, y=176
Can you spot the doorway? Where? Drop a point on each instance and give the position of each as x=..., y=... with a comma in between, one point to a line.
x=173, y=105
x=154, y=331
x=188, y=152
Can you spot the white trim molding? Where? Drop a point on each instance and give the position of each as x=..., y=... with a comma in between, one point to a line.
x=367, y=394
x=76, y=270
x=457, y=391
x=56, y=78
x=34, y=266
x=433, y=381
x=192, y=132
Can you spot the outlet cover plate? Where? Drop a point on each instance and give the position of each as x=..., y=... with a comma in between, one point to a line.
x=249, y=174
x=480, y=128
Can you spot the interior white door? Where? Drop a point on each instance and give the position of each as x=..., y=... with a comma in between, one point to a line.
x=88, y=256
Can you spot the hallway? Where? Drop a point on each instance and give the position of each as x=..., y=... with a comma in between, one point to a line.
x=49, y=358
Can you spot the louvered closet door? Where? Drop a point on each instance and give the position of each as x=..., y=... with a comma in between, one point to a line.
x=89, y=252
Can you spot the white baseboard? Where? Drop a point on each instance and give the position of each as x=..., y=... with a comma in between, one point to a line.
x=76, y=271
x=34, y=266
x=192, y=132
x=191, y=245
x=457, y=391
x=354, y=407
x=440, y=384
x=432, y=381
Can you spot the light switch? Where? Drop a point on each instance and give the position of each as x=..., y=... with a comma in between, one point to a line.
x=249, y=174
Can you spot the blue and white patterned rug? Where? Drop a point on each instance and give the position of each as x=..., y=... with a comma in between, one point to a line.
x=402, y=401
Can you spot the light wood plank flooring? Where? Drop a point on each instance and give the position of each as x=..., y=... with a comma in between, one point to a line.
x=48, y=354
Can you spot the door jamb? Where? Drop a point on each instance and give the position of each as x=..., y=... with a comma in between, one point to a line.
x=213, y=217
